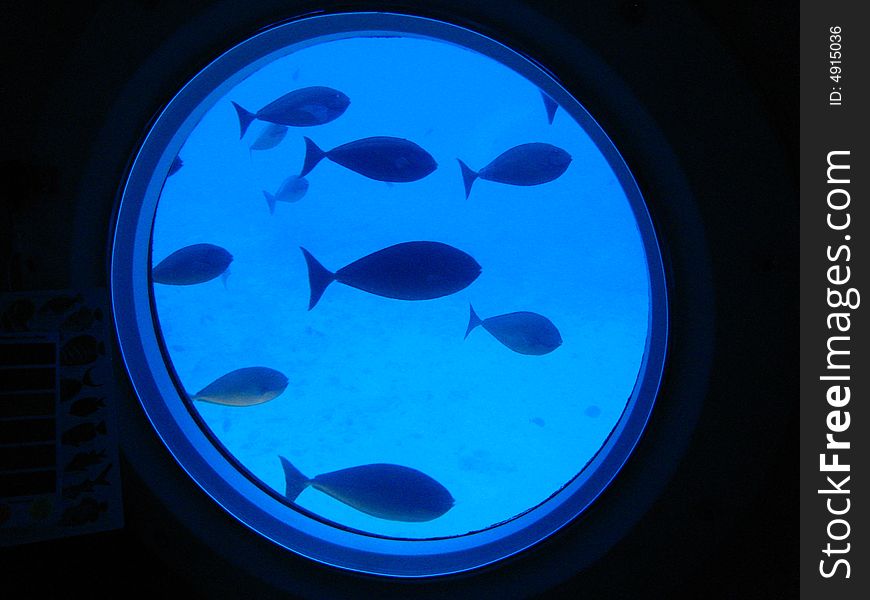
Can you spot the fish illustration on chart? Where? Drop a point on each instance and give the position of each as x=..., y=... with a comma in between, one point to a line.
x=244, y=387
x=550, y=106
x=87, y=406
x=83, y=460
x=81, y=350
x=191, y=265
x=83, y=433
x=86, y=511
x=390, y=159
x=59, y=305
x=69, y=387
x=522, y=332
x=81, y=320
x=384, y=491
x=406, y=271
x=71, y=492
x=292, y=190
x=523, y=165
x=304, y=107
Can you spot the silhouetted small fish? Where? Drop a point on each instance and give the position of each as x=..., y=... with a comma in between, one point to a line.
x=71, y=492
x=406, y=271
x=70, y=387
x=17, y=315
x=300, y=108
x=85, y=432
x=176, y=165
x=192, y=264
x=86, y=406
x=244, y=387
x=526, y=164
x=385, y=491
x=82, y=460
x=523, y=332
x=59, y=305
x=81, y=350
x=86, y=511
x=388, y=159
x=550, y=106
x=270, y=137
x=291, y=190
x=82, y=319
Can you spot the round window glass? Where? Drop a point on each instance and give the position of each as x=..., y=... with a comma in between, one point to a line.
x=388, y=293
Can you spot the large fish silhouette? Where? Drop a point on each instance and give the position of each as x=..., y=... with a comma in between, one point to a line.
x=191, y=265
x=523, y=332
x=406, y=271
x=300, y=108
x=391, y=159
x=526, y=164
x=385, y=491
x=244, y=387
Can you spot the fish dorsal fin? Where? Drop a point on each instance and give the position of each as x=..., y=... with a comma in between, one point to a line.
x=473, y=320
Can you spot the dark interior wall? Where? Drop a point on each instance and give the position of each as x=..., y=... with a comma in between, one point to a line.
x=41, y=114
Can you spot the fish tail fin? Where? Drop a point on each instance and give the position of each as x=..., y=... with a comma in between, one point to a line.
x=295, y=481
x=246, y=117
x=319, y=277
x=473, y=320
x=270, y=200
x=550, y=106
x=468, y=177
x=313, y=155
x=224, y=276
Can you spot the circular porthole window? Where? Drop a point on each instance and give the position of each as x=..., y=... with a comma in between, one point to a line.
x=388, y=293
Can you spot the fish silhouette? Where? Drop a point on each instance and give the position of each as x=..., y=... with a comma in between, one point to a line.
x=86, y=511
x=71, y=492
x=291, y=190
x=81, y=350
x=385, y=491
x=85, y=432
x=175, y=166
x=300, y=108
x=389, y=159
x=192, y=264
x=69, y=387
x=82, y=460
x=406, y=271
x=526, y=164
x=59, y=305
x=523, y=332
x=86, y=406
x=270, y=137
x=550, y=106
x=244, y=387
x=82, y=319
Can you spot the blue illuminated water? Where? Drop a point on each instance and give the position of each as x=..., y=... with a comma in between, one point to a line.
x=378, y=380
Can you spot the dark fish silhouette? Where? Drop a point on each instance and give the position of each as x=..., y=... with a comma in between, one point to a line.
x=175, y=166
x=70, y=387
x=86, y=406
x=72, y=492
x=59, y=305
x=300, y=108
x=85, y=432
x=385, y=491
x=82, y=460
x=192, y=264
x=244, y=387
x=17, y=315
x=550, y=106
x=388, y=159
x=526, y=164
x=86, y=511
x=291, y=190
x=81, y=350
x=523, y=332
x=82, y=319
x=406, y=271
x=270, y=137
